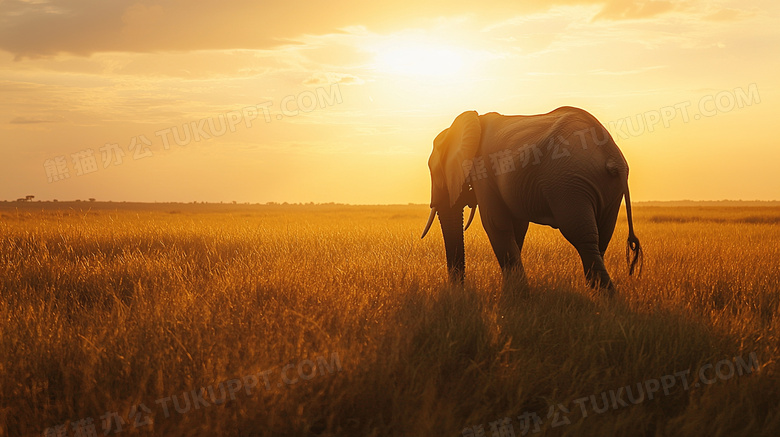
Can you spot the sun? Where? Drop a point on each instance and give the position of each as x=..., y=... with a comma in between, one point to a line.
x=420, y=59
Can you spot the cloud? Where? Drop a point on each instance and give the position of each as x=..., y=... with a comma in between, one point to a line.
x=633, y=9
x=726, y=14
x=34, y=120
x=603, y=72
x=82, y=27
x=327, y=78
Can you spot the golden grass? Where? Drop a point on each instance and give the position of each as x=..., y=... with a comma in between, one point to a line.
x=107, y=306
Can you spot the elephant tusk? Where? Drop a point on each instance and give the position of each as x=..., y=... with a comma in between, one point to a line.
x=430, y=221
x=471, y=217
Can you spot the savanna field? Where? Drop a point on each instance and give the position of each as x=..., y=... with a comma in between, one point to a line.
x=330, y=320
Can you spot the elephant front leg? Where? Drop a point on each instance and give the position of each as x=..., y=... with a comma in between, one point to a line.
x=501, y=232
x=515, y=280
x=514, y=274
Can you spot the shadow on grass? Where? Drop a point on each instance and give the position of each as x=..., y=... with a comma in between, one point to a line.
x=460, y=360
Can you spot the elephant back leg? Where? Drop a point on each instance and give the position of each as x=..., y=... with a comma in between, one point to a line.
x=606, y=224
x=576, y=218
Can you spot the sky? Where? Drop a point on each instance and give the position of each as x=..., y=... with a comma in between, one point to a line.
x=339, y=101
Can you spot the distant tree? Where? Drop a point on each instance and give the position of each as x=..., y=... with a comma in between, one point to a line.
x=29, y=197
x=91, y=199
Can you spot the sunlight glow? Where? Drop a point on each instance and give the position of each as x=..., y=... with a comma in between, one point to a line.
x=422, y=60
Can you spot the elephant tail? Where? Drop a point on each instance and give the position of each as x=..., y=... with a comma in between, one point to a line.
x=633, y=245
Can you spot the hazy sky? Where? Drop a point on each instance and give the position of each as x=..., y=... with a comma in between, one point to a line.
x=298, y=101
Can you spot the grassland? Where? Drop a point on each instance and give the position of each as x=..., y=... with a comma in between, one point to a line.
x=104, y=307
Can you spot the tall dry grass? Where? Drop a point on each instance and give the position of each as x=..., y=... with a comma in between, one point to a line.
x=106, y=306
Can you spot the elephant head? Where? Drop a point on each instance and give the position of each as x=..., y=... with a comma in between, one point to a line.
x=453, y=149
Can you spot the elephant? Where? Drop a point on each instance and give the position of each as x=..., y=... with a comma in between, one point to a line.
x=560, y=169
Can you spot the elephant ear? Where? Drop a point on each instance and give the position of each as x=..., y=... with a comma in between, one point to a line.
x=453, y=147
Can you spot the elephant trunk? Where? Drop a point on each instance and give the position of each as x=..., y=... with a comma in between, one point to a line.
x=452, y=228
